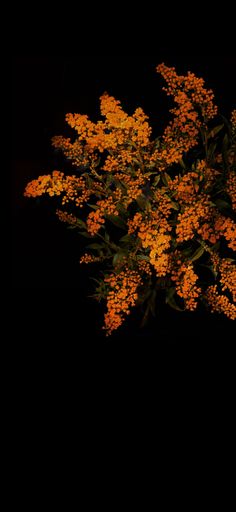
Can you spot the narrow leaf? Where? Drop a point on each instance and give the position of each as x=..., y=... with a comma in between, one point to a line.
x=197, y=254
x=215, y=130
x=95, y=246
x=117, y=221
x=85, y=234
x=221, y=203
x=156, y=180
x=171, y=300
x=126, y=238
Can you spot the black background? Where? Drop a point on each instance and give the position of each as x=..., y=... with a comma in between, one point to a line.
x=49, y=287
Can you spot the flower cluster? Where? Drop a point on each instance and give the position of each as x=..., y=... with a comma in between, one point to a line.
x=182, y=133
x=122, y=295
x=228, y=277
x=186, y=279
x=71, y=188
x=233, y=121
x=185, y=187
x=88, y=258
x=154, y=236
x=158, y=211
x=66, y=217
x=96, y=219
x=220, y=303
x=231, y=188
x=189, y=220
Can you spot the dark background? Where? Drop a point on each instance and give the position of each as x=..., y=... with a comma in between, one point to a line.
x=49, y=287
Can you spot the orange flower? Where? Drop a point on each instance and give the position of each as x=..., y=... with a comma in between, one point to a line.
x=96, y=219
x=121, y=297
x=70, y=187
x=122, y=169
x=220, y=303
x=66, y=217
x=185, y=279
x=153, y=233
x=231, y=188
x=88, y=258
x=189, y=220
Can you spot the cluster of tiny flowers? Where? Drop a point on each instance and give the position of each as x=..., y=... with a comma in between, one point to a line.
x=134, y=224
x=154, y=236
x=127, y=175
x=185, y=187
x=185, y=279
x=207, y=175
x=224, y=226
x=121, y=297
x=220, y=303
x=215, y=260
x=39, y=186
x=228, y=277
x=164, y=203
x=144, y=267
x=210, y=176
x=182, y=133
x=233, y=121
x=70, y=187
x=231, y=188
x=189, y=220
x=73, y=151
x=88, y=258
x=96, y=218
x=192, y=86
x=66, y=217
x=134, y=185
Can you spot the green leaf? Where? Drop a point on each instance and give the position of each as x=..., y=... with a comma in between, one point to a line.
x=152, y=302
x=215, y=130
x=225, y=141
x=95, y=246
x=126, y=238
x=209, y=267
x=226, y=123
x=222, y=204
x=142, y=201
x=187, y=251
x=174, y=205
x=145, y=316
x=85, y=234
x=89, y=180
x=216, y=246
x=109, y=179
x=118, y=257
x=121, y=209
x=150, y=308
x=197, y=254
x=93, y=206
x=166, y=178
x=156, y=180
x=181, y=162
x=211, y=151
x=144, y=295
x=117, y=221
x=81, y=223
x=143, y=257
x=171, y=300
x=157, y=143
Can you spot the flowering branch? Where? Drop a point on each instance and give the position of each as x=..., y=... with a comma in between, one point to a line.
x=158, y=214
